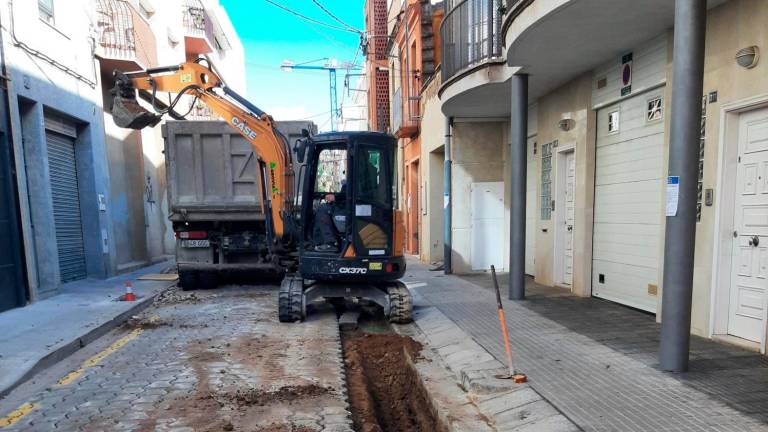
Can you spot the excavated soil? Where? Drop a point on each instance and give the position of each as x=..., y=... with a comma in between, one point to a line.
x=384, y=391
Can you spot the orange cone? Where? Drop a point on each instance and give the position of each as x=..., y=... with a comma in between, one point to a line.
x=129, y=295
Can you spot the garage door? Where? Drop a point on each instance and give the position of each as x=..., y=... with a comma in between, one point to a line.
x=628, y=201
x=66, y=205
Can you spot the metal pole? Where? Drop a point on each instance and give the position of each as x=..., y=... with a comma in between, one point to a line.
x=334, y=104
x=447, y=199
x=687, y=88
x=518, y=175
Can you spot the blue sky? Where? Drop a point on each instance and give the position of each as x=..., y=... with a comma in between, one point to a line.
x=271, y=35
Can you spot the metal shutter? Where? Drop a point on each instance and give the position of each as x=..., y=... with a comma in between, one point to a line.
x=66, y=206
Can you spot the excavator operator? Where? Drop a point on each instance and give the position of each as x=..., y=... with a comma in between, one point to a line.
x=329, y=220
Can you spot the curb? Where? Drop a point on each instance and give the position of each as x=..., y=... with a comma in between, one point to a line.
x=506, y=405
x=73, y=346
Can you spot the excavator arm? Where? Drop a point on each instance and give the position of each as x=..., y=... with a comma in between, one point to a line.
x=199, y=81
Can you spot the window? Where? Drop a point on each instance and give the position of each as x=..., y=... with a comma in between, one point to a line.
x=654, y=109
x=702, y=141
x=45, y=8
x=331, y=171
x=371, y=177
x=613, y=122
x=546, y=180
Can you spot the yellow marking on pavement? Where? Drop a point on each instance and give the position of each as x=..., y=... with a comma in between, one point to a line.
x=93, y=361
x=16, y=415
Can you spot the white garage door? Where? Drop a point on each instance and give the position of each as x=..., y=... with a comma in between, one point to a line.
x=628, y=201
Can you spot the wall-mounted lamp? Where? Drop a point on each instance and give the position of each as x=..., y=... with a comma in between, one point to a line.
x=566, y=124
x=748, y=57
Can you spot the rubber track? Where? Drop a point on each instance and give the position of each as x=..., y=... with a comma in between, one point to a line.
x=289, y=307
x=400, y=304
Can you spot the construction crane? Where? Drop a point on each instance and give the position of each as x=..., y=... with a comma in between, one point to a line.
x=330, y=65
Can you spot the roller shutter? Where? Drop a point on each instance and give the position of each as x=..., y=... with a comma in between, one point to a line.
x=62, y=169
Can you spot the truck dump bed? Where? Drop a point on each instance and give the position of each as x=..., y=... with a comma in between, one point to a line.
x=212, y=173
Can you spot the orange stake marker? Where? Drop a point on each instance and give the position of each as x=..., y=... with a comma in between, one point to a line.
x=518, y=378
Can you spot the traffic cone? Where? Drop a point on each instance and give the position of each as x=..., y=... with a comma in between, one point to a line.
x=129, y=295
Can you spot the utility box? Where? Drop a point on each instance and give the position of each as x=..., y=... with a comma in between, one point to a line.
x=215, y=201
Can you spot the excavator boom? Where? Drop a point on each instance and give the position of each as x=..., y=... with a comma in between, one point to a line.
x=196, y=80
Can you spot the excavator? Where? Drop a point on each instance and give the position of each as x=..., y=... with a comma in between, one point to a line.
x=332, y=223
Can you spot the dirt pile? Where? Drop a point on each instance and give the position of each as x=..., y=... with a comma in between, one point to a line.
x=285, y=394
x=385, y=393
x=284, y=427
x=175, y=295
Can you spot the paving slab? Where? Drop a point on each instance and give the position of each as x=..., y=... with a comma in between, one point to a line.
x=495, y=404
x=595, y=361
x=39, y=335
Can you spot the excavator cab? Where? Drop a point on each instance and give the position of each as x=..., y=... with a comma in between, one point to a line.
x=349, y=228
x=352, y=234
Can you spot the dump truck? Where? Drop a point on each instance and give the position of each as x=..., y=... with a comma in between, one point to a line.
x=215, y=202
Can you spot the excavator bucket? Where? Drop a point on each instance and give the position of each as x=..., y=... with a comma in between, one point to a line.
x=126, y=111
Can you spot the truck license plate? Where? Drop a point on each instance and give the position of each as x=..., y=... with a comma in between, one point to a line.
x=195, y=243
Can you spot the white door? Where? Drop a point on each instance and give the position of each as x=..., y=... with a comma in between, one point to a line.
x=629, y=187
x=565, y=204
x=487, y=200
x=750, y=244
x=531, y=201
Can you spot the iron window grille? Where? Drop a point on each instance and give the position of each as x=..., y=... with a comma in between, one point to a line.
x=546, y=180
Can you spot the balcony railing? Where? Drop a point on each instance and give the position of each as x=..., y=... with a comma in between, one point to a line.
x=405, y=114
x=471, y=34
x=125, y=40
x=198, y=28
x=397, y=109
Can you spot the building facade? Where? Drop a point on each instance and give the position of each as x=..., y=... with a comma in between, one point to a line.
x=414, y=53
x=88, y=199
x=376, y=72
x=602, y=172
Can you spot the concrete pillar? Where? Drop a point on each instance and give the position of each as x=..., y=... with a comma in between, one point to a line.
x=518, y=163
x=447, y=199
x=687, y=88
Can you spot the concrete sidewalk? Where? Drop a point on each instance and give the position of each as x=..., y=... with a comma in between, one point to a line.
x=595, y=361
x=39, y=335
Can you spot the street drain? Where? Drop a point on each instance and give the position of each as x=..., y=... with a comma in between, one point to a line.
x=385, y=392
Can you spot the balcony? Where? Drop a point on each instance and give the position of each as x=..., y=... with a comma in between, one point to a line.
x=125, y=40
x=198, y=28
x=471, y=36
x=405, y=115
x=556, y=40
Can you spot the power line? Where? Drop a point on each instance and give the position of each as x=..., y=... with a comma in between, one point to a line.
x=306, y=18
x=337, y=19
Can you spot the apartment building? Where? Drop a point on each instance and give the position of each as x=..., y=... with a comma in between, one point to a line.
x=414, y=55
x=631, y=157
x=88, y=199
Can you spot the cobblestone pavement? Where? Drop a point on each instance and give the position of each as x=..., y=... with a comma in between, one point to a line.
x=204, y=361
x=602, y=375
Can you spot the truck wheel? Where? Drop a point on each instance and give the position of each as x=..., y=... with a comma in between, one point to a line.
x=188, y=280
x=290, y=303
x=400, y=304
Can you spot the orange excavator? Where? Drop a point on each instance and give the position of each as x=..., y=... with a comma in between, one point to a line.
x=334, y=231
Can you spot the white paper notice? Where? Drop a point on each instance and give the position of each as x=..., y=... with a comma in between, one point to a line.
x=673, y=193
